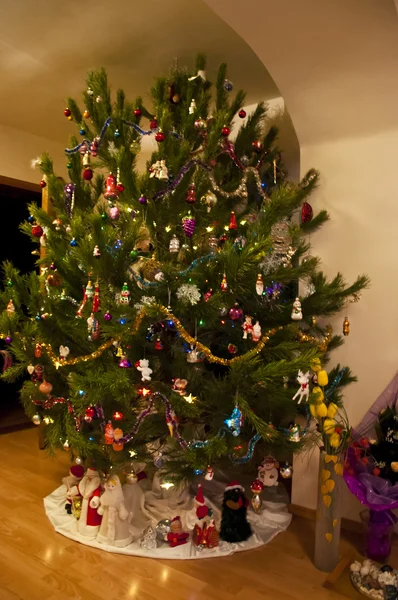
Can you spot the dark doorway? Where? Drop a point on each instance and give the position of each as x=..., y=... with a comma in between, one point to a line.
x=16, y=247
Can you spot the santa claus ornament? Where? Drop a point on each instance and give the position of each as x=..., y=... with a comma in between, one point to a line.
x=234, y=524
x=71, y=482
x=114, y=529
x=176, y=536
x=90, y=490
x=205, y=534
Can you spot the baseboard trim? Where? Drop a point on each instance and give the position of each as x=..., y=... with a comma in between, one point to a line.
x=310, y=514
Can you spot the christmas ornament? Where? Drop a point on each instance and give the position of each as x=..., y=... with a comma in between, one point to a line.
x=109, y=433
x=242, y=113
x=179, y=386
x=110, y=191
x=232, y=221
x=37, y=231
x=174, y=245
x=224, y=283
x=38, y=350
x=117, y=437
x=322, y=378
x=209, y=473
x=200, y=124
x=235, y=421
x=137, y=112
x=125, y=295
x=235, y=313
x=259, y=285
x=92, y=328
x=191, y=194
x=176, y=536
x=142, y=366
x=209, y=200
x=73, y=242
x=153, y=124
x=225, y=131
x=124, y=362
x=295, y=433
x=247, y=327
x=232, y=349
x=89, y=290
x=108, y=316
x=303, y=392
x=63, y=352
x=188, y=293
x=159, y=136
x=142, y=200
x=52, y=267
x=213, y=243
x=53, y=280
x=228, y=85
x=67, y=112
x=297, y=314
x=10, y=307
x=114, y=213
x=257, y=146
x=43, y=183
x=163, y=529
x=88, y=174
x=86, y=114
x=148, y=540
x=189, y=225
x=346, y=326
x=36, y=419
x=195, y=356
x=45, y=387
x=306, y=212
x=286, y=471
x=159, y=344
x=207, y=295
x=117, y=133
x=268, y=472
x=174, y=97
x=256, y=332
x=256, y=502
x=192, y=106
x=96, y=252
x=234, y=525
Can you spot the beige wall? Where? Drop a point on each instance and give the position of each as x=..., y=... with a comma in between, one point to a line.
x=336, y=63
x=18, y=148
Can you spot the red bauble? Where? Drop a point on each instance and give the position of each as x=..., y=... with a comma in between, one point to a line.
x=232, y=221
x=257, y=146
x=191, y=194
x=42, y=183
x=119, y=188
x=88, y=174
x=117, y=416
x=37, y=231
x=225, y=131
x=153, y=124
x=232, y=349
x=235, y=313
x=306, y=212
x=90, y=412
x=67, y=112
x=137, y=112
x=242, y=113
x=159, y=137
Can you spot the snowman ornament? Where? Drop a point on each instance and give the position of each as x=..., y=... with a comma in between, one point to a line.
x=268, y=471
x=297, y=313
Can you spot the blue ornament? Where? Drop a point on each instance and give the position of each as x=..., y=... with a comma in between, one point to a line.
x=81, y=392
x=38, y=317
x=31, y=218
x=73, y=242
x=234, y=423
x=117, y=133
x=82, y=131
x=122, y=321
x=228, y=85
x=198, y=471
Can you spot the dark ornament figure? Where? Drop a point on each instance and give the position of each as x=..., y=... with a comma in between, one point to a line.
x=234, y=524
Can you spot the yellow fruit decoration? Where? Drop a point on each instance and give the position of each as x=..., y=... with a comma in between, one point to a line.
x=330, y=457
x=329, y=426
x=329, y=537
x=327, y=500
x=316, y=365
x=320, y=396
x=322, y=410
x=335, y=440
x=322, y=378
x=329, y=485
x=335, y=522
x=313, y=410
x=324, y=489
x=338, y=469
x=325, y=474
x=332, y=410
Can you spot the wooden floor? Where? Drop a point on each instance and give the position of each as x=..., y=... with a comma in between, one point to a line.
x=36, y=563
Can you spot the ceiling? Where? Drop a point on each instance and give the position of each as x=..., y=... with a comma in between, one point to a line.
x=47, y=46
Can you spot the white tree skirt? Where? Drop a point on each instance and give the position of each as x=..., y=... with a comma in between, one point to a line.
x=148, y=506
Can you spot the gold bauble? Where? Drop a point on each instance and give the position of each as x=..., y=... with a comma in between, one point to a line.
x=394, y=467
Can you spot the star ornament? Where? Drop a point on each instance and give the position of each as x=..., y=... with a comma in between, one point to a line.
x=190, y=399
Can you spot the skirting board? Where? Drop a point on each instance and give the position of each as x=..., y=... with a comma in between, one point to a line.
x=310, y=514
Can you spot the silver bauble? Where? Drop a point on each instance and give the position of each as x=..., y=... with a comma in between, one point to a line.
x=163, y=528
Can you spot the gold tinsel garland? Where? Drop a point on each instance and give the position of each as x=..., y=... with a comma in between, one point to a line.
x=166, y=313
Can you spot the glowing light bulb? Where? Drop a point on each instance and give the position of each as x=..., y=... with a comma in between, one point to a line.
x=209, y=229
x=132, y=453
x=167, y=485
x=167, y=228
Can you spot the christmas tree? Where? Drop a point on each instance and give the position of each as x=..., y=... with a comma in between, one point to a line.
x=165, y=323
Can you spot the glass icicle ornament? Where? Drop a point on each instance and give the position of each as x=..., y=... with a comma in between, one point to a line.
x=346, y=326
x=174, y=244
